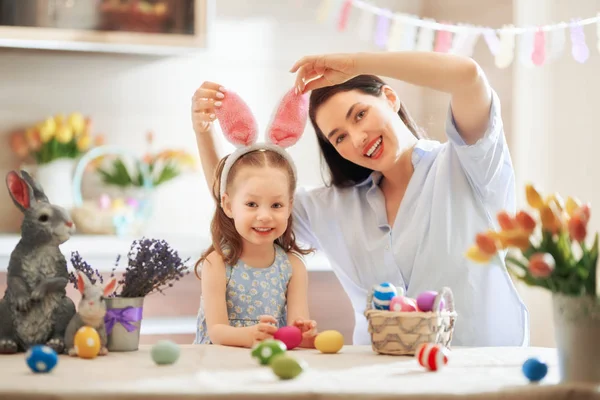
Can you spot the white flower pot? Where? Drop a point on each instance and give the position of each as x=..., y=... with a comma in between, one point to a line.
x=56, y=178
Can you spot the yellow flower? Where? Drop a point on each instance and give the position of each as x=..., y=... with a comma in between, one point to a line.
x=77, y=123
x=64, y=134
x=47, y=130
x=533, y=197
x=557, y=200
x=83, y=142
x=572, y=205
x=475, y=254
x=550, y=219
x=59, y=119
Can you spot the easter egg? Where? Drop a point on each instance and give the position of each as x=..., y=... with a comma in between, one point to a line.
x=329, y=342
x=104, y=202
x=383, y=295
x=265, y=351
x=287, y=367
x=402, y=303
x=87, y=342
x=426, y=299
x=534, y=370
x=432, y=356
x=165, y=352
x=41, y=358
x=291, y=336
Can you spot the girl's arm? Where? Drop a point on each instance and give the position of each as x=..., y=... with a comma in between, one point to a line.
x=204, y=101
x=215, y=308
x=461, y=77
x=297, y=302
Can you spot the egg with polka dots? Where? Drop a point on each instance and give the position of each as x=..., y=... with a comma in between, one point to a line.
x=87, y=342
x=41, y=359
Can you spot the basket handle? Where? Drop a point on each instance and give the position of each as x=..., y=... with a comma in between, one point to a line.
x=447, y=296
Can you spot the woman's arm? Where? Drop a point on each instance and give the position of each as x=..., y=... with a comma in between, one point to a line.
x=215, y=308
x=459, y=76
x=297, y=302
x=206, y=98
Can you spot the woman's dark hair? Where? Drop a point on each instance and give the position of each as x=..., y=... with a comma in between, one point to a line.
x=343, y=172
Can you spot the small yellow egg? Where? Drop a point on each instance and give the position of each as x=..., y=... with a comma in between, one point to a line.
x=87, y=342
x=329, y=342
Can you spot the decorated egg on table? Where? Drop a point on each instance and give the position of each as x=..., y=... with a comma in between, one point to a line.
x=41, y=358
x=287, y=367
x=432, y=356
x=402, y=303
x=165, y=352
x=329, y=342
x=383, y=295
x=87, y=342
x=291, y=336
x=426, y=299
x=265, y=351
x=534, y=370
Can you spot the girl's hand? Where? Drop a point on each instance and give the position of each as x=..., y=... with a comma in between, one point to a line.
x=323, y=70
x=265, y=329
x=205, y=99
x=308, y=328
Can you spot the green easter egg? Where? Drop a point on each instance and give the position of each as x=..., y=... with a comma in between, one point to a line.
x=265, y=351
x=165, y=352
x=286, y=367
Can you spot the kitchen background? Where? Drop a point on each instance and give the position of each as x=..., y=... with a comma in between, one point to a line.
x=549, y=115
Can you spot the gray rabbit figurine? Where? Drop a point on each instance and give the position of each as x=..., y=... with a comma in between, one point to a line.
x=91, y=312
x=35, y=308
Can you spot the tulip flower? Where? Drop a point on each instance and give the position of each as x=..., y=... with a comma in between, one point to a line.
x=571, y=205
x=541, y=265
x=534, y=199
x=486, y=243
x=550, y=220
x=506, y=221
x=525, y=221
x=475, y=254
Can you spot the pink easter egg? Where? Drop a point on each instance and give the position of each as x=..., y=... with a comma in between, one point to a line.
x=132, y=202
x=402, y=303
x=291, y=336
x=104, y=202
x=426, y=299
x=432, y=356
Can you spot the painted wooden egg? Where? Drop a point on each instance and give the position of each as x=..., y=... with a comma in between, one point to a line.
x=87, y=342
x=426, y=299
x=432, y=356
x=286, y=367
x=291, y=336
x=402, y=303
x=41, y=358
x=534, y=370
x=266, y=350
x=383, y=295
x=329, y=342
x=165, y=352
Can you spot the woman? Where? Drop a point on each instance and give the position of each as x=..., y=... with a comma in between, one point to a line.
x=401, y=208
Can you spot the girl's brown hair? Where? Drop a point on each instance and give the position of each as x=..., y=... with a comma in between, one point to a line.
x=344, y=173
x=222, y=228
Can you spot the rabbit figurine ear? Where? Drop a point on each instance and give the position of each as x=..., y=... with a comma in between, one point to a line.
x=20, y=191
x=110, y=287
x=38, y=191
x=82, y=282
x=236, y=120
x=289, y=120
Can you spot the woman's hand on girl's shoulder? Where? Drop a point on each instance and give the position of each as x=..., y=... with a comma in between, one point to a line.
x=208, y=96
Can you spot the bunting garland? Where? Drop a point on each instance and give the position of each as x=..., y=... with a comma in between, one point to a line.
x=392, y=31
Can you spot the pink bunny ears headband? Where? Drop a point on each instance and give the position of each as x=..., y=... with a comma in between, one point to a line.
x=241, y=129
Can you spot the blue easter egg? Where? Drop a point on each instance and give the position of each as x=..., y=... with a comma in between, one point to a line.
x=534, y=369
x=41, y=358
x=383, y=295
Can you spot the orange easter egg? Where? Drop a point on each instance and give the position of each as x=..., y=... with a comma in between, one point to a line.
x=87, y=342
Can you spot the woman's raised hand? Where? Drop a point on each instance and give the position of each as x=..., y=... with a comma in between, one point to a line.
x=318, y=71
x=205, y=99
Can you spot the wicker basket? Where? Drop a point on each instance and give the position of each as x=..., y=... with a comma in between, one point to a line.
x=401, y=332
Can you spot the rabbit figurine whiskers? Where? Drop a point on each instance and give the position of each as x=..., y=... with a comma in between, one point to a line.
x=91, y=311
x=35, y=308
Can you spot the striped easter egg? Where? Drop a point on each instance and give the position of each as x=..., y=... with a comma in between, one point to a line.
x=383, y=295
x=432, y=356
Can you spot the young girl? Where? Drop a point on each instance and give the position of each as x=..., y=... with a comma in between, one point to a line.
x=253, y=281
